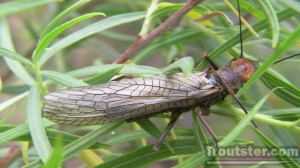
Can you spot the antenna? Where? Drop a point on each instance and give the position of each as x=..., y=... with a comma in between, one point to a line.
x=241, y=32
x=283, y=59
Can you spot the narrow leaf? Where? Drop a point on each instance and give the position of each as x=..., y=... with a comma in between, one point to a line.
x=10, y=8
x=288, y=161
x=133, y=69
x=294, y=4
x=103, y=76
x=273, y=20
x=56, y=158
x=235, y=39
x=290, y=93
x=201, y=140
x=169, y=40
x=14, y=66
x=52, y=135
x=88, y=31
x=63, y=79
x=185, y=64
x=92, y=70
x=193, y=161
x=130, y=136
x=61, y=15
x=83, y=142
x=238, y=129
x=283, y=47
x=18, y=131
x=146, y=155
x=15, y=56
x=25, y=151
x=49, y=37
x=12, y=101
x=37, y=130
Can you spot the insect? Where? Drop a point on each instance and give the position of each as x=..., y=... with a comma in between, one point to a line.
x=134, y=98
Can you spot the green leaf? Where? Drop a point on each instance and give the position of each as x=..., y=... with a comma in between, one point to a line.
x=168, y=40
x=15, y=56
x=200, y=137
x=56, y=158
x=94, y=28
x=89, y=139
x=82, y=142
x=14, y=66
x=252, y=9
x=19, y=131
x=201, y=140
x=92, y=70
x=235, y=39
x=11, y=101
x=147, y=25
x=133, y=69
x=239, y=128
x=290, y=93
x=49, y=37
x=193, y=161
x=63, y=79
x=61, y=15
x=287, y=114
x=197, y=159
x=167, y=8
x=51, y=133
x=130, y=136
x=185, y=64
x=104, y=76
x=13, y=90
x=273, y=20
x=288, y=161
x=10, y=8
x=146, y=155
x=282, y=48
x=37, y=130
x=295, y=5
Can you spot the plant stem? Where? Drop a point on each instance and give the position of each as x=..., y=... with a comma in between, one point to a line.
x=38, y=76
x=290, y=125
x=165, y=26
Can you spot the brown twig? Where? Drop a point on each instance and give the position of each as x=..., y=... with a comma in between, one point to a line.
x=166, y=25
x=14, y=152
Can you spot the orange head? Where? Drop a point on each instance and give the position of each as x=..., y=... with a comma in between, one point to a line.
x=244, y=67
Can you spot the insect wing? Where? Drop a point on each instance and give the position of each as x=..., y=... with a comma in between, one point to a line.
x=125, y=99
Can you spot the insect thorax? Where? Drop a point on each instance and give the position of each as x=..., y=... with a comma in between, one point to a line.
x=232, y=78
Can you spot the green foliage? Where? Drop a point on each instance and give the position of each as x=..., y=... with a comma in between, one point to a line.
x=72, y=29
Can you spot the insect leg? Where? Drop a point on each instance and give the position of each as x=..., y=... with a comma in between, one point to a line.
x=214, y=68
x=210, y=62
x=174, y=118
x=208, y=129
x=231, y=92
x=204, y=110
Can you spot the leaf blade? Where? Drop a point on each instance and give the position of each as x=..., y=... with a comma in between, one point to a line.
x=37, y=131
x=88, y=31
x=63, y=79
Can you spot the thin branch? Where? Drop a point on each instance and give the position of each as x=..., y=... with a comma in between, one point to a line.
x=13, y=153
x=165, y=26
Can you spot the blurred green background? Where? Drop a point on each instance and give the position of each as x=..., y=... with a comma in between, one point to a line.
x=85, y=49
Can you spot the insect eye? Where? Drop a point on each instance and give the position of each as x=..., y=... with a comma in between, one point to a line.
x=244, y=67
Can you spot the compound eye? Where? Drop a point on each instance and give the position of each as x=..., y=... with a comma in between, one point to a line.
x=244, y=68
